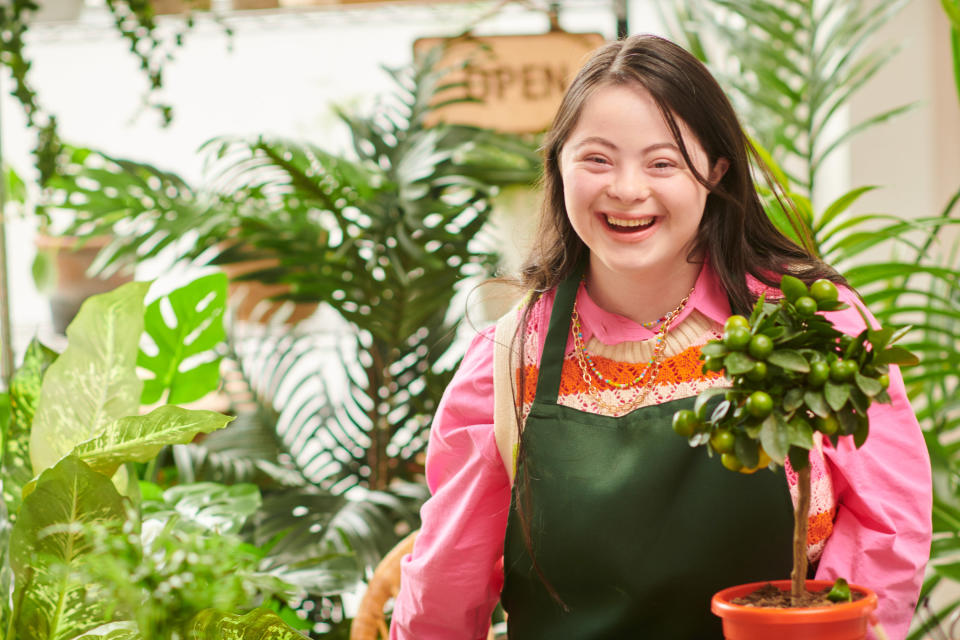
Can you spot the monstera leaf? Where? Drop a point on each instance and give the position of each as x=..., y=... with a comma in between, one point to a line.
x=184, y=338
x=140, y=438
x=94, y=381
x=47, y=540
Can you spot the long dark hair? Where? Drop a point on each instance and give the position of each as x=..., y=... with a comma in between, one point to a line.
x=735, y=233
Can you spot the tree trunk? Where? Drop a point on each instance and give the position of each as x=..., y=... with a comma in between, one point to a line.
x=800, y=515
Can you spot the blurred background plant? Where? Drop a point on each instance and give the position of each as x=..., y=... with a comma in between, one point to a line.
x=796, y=67
x=134, y=20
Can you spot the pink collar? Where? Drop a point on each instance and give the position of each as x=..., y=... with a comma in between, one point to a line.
x=709, y=298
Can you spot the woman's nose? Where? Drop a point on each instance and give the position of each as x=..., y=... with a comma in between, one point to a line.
x=629, y=186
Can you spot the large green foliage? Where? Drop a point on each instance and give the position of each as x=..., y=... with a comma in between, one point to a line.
x=83, y=423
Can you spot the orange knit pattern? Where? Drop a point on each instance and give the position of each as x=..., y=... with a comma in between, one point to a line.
x=819, y=527
x=683, y=367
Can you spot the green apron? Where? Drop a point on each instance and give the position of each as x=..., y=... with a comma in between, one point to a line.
x=633, y=528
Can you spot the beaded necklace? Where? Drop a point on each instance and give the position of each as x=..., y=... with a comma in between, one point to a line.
x=647, y=376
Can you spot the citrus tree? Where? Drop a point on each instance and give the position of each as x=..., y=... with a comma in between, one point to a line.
x=791, y=373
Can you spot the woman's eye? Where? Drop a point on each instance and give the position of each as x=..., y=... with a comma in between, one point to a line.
x=663, y=164
x=596, y=159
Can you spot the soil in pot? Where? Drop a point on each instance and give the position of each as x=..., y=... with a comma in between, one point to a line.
x=770, y=596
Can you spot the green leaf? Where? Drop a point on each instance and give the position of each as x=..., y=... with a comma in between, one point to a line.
x=774, y=437
x=816, y=402
x=860, y=435
x=24, y=394
x=49, y=538
x=197, y=328
x=793, y=399
x=94, y=381
x=840, y=592
x=737, y=363
x=840, y=205
x=836, y=394
x=896, y=355
x=206, y=506
x=259, y=624
x=789, y=359
x=140, y=438
x=868, y=386
x=800, y=433
x=713, y=349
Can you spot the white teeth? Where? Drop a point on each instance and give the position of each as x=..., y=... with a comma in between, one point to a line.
x=623, y=222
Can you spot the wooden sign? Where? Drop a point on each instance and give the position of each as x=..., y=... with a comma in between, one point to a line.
x=519, y=80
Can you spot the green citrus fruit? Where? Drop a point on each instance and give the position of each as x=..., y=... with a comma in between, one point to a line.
x=736, y=338
x=759, y=404
x=843, y=370
x=758, y=373
x=806, y=306
x=823, y=290
x=713, y=363
x=760, y=347
x=722, y=441
x=736, y=321
x=731, y=462
x=819, y=373
x=685, y=422
x=792, y=288
x=828, y=425
x=884, y=380
x=763, y=461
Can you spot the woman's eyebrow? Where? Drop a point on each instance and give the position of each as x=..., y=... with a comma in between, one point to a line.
x=609, y=144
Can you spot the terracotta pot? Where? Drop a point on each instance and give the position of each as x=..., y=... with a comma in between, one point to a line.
x=250, y=299
x=73, y=286
x=847, y=621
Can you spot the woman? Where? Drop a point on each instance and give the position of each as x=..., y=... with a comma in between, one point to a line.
x=558, y=485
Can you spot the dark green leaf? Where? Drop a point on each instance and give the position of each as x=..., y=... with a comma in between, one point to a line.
x=836, y=394
x=789, y=359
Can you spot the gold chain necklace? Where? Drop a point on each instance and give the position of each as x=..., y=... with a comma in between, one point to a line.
x=648, y=376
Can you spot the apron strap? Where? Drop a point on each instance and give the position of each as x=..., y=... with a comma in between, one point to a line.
x=551, y=362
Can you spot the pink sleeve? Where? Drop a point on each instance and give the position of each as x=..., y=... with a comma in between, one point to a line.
x=452, y=580
x=881, y=534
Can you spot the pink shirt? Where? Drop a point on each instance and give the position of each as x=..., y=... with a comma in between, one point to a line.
x=452, y=580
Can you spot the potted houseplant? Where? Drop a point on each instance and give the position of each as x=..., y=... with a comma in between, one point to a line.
x=794, y=378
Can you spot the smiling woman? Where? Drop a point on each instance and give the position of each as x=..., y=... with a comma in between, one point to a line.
x=633, y=200
x=554, y=440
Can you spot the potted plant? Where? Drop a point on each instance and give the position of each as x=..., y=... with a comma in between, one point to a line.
x=794, y=378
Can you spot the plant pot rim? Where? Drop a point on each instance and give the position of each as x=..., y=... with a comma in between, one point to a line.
x=722, y=606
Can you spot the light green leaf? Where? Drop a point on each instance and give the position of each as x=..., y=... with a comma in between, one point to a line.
x=140, y=438
x=47, y=538
x=197, y=329
x=94, y=381
x=259, y=624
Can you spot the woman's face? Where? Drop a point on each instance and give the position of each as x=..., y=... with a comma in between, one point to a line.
x=629, y=194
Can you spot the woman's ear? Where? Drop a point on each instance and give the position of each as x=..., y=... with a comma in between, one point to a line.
x=717, y=172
